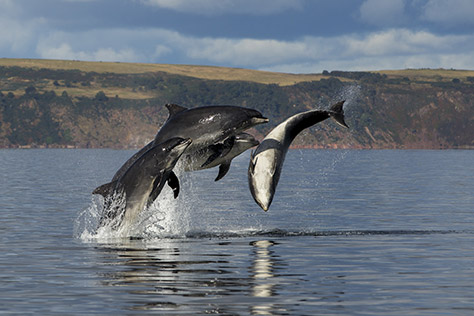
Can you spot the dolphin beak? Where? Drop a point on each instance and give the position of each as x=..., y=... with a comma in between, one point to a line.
x=260, y=120
x=185, y=143
x=264, y=206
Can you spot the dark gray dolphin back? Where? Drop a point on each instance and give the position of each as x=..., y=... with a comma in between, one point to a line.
x=131, y=160
x=202, y=123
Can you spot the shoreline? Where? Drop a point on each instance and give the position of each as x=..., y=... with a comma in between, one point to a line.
x=298, y=147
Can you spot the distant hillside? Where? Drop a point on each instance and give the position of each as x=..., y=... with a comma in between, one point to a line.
x=48, y=103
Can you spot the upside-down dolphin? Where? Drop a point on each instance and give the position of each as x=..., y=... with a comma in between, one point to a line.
x=206, y=126
x=267, y=160
x=135, y=185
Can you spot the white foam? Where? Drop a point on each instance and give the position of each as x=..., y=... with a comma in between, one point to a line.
x=165, y=218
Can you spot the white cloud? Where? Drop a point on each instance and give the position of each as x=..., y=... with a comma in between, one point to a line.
x=390, y=49
x=449, y=11
x=14, y=34
x=247, y=52
x=161, y=50
x=393, y=48
x=401, y=42
x=64, y=51
x=382, y=12
x=17, y=36
x=115, y=44
x=215, y=7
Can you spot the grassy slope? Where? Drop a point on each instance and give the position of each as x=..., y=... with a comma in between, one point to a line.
x=223, y=73
x=429, y=75
x=202, y=72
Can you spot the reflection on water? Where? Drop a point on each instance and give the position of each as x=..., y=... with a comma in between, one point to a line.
x=365, y=233
x=175, y=276
x=263, y=284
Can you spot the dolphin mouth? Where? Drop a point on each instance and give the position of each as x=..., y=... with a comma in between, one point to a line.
x=263, y=206
x=260, y=120
x=185, y=143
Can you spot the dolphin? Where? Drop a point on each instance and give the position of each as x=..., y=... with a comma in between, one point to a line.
x=198, y=160
x=206, y=126
x=267, y=160
x=133, y=188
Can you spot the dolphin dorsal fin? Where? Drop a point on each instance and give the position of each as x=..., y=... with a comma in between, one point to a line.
x=105, y=189
x=175, y=109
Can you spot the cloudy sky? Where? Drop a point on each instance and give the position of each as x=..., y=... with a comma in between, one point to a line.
x=299, y=36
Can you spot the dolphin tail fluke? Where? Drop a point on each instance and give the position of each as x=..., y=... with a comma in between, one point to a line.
x=337, y=113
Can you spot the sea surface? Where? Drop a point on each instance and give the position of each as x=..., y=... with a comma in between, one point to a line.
x=350, y=232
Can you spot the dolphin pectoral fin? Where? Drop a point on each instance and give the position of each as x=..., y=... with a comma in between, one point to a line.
x=223, y=169
x=337, y=113
x=105, y=189
x=173, y=183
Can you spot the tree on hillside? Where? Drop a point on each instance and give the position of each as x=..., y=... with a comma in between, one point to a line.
x=101, y=97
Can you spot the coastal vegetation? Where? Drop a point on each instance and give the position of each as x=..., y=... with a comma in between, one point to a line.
x=48, y=103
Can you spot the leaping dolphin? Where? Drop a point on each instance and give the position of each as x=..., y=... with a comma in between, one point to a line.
x=206, y=126
x=237, y=145
x=135, y=185
x=267, y=160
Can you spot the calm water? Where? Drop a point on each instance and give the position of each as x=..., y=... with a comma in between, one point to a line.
x=349, y=233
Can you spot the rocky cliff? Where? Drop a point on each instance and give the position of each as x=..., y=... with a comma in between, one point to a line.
x=56, y=107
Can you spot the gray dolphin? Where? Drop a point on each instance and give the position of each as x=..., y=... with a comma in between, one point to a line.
x=135, y=185
x=198, y=160
x=206, y=126
x=267, y=160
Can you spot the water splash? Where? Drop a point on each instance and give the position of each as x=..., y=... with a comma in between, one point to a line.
x=350, y=93
x=86, y=223
x=165, y=218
